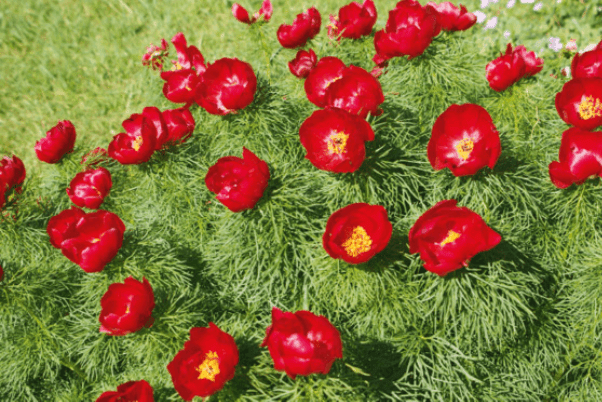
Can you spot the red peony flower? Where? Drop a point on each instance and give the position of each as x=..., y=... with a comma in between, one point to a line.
x=94, y=157
x=12, y=175
x=464, y=140
x=334, y=140
x=154, y=56
x=89, y=189
x=58, y=142
x=154, y=115
x=180, y=125
x=511, y=67
x=452, y=18
x=354, y=20
x=305, y=27
x=357, y=232
x=580, y=158
x=580, y=103
x=228, y=85
x=137, y=391
x=138, y=145
x=409, y=31
x=181, y=83
x=241, y=14
x=302, y=343
x=127, y=307
x=89, y=240
x=328, y=70
x=1, y=274
x=588, y=64
x=303, y=63
x=447, y=237
x=238, y=182
x=206, y=363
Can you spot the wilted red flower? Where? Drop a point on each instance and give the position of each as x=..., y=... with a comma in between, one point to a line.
x=334, y=140
x=238, y=182
x=58, y=141
x=409, y=31
x=241, y=14
x=354, y=20
x=206, y=363
x=464, y=139
x=351, y=88
x=154, y=56
x=94, y=157
x=512, y=67
x=588, y=64
x=12, y=175
x=228, y=85
x=357, y=232
x=302, y=343
x=447, y=237
x=138, y=391
x=303, y=63
x=452, y=18
x=127, y=307
x=89, y=189
x=580, y=158
x=89, y=240
x=180, y=125
x=181, y=83
x=580, y=103
x=138, y=145
x=305, y=27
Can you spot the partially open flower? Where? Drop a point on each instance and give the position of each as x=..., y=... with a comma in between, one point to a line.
x=303, y=63
x=354, y=20
x=305, y=27
x=137, y=145
x=241, y=14
x=588, y=64
x=58, y=141
x=180, y=125
x=580, y=103
x=452, y=18
x=181, y=83
x=512, y=67
x=127, y=307
x=89, y=189
x=137, y=391
x=154, y=56
x=580, y=157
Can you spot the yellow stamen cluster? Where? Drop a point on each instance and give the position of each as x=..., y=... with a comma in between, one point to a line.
x=337, y=142
x=358, y=243
x=137, y=143
x=590, y=108
x=451, y=237
x=209, y=368
x=464, y=148
x=176, y=66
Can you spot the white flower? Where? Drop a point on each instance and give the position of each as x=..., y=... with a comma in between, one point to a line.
x=527, y=1
x=555, y=44
x=484, y=3
x=491, y=23
x=506, y=34
x=571, y=45
x=511, y=4
x=481, y=16
x=538, y=6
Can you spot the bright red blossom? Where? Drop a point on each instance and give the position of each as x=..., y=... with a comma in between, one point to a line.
x=580, y=157
x=447, y=237
x=138, y=145
x=305, y=27
x=334, y=140
x=357, y=232
x=302, y=343
x=238, y=182
x=89, y=189
x=12, y=175
x=354, y=20
x=464, y=140
x=241, y=14
x=580, y=103
x=1, y=274
x=511, y=67
x=59, y=141
x=452, y=18
x=127, y=307
x=206, y=363
x=303, y=63
x=135, y=391
x=180, y=125
x=588, y=64
x=181, y=83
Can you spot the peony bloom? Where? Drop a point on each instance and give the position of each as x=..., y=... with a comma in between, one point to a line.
x=181, y=83
x=139, y=391
x=580, y=103
x=58, y=142
x=180, y=125
x=154, y=56
x=409, y=31
x=302, y=343
x=228, y=85
x=238, y=182
x=155, y=116
x=354, y=20
x=89, y=189
x=138, y=145
x=305, y=27
x=206, y=363
x=303, y=63
x=94, y=157
x=334, y=140
x=511, y=67
x=12, y=175
x=588, y=64
x=447, y=237
x=357, y=232
x=580, y=157
x=452, y=18
x=127, y=307
x=351, y=88
x=241, y=14
x=464, y=140
x=89, y=240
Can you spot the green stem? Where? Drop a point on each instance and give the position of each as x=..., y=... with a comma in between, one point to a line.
x=265, y=48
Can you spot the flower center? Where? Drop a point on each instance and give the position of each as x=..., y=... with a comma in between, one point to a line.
x=358, y=243
x=95, y=240
x=590, y=108
x=337, y=142
x=464, y=148
x=209, y=368
x=176, y=66
x=451, y=237
x=137, y=143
